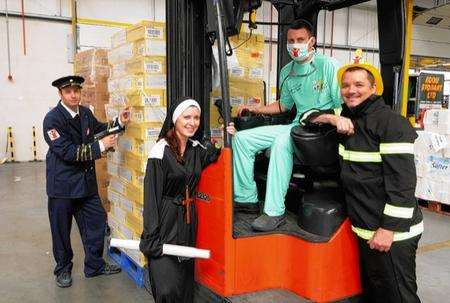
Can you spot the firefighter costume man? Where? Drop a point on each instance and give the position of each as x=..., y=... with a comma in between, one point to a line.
x=379, y=179
x=69, y=131
x=308, y=81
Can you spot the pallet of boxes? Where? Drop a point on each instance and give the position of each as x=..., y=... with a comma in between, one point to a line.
x=93, y=66
x=245, y=72
x=138, y=79
x=432, y=157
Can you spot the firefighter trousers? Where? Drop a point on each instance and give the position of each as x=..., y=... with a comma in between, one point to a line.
x=389, y=277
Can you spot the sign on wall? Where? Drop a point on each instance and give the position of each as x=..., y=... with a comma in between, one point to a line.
x=431, y=88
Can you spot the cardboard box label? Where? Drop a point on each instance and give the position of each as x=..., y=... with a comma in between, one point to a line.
x=138, y=117
x=256, y=73
x=155, y=32
x=236, y=100
x=153, y=132
x=152, y=100
x=153, y=67
x=237, y=71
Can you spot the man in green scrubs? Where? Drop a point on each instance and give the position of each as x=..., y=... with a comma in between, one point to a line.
x=308, y=81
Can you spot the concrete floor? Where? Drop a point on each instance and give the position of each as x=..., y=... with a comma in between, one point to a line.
x=26, y=261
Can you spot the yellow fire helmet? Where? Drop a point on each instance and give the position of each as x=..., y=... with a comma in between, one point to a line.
x=357, y=62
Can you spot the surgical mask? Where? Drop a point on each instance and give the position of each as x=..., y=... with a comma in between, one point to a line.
x=299, y=51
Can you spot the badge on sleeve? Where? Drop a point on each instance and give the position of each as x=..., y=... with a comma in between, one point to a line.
x=53, y=134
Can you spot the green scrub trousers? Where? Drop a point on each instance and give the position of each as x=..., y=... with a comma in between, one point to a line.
x=246, y=144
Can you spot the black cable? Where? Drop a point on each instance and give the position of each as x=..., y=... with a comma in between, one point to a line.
x=291, y=74
x=281, y=89
x=243, y=42
x=229, y=51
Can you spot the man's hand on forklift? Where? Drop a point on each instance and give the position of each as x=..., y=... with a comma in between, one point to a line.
x=381, y=240
x=343, y=125
x=230, y=128
x=242, y=109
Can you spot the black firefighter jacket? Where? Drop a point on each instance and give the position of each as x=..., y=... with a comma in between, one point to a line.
x=378, y=171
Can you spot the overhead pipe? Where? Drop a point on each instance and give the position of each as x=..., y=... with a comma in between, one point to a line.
x=409, y=6
x=348, y=34
x=23, y=28
x=40, y=17
x=8, y=46
x=332, y=34
x=270, y=52
x=324, y=31
x=73, y=6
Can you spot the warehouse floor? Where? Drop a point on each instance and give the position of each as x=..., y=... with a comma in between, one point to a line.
x=26, y=261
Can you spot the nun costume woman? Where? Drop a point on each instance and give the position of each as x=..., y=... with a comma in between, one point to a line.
x=169, y=210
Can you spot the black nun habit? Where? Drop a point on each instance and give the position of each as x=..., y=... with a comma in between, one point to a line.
x=169, y=211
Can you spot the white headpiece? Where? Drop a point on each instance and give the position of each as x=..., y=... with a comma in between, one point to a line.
x=182, y=107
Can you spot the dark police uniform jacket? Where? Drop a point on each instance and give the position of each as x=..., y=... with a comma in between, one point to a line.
x=72, y=152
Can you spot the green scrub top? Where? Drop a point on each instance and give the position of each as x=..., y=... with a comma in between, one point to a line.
x=309, y=85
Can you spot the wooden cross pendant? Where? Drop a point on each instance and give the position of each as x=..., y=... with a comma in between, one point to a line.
x=187, y=204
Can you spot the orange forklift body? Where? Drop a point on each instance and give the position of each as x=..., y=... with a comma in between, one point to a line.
x=321, y=272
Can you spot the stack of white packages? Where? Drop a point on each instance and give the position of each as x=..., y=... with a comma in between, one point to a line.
x=138, y=80
x=432, y=157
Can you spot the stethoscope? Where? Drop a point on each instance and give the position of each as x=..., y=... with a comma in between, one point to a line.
x=293, y=74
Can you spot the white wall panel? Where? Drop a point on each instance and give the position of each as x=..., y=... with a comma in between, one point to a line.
x=43, y=7
x=96, y=36
x=130, y=11
x=26, y=100
x=430, y=41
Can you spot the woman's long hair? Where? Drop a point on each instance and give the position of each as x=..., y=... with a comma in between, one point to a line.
x=174, y=144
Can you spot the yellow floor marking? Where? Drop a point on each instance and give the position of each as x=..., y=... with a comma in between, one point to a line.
x=433, y=246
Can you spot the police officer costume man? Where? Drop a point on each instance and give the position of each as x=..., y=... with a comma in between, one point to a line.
x=69, y=130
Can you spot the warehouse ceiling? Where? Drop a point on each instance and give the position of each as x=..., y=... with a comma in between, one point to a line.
x=432, y=13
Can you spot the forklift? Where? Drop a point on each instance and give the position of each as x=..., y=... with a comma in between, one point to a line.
x=312, y=266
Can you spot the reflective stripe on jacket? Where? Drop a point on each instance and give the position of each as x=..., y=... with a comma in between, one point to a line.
x=378, y=171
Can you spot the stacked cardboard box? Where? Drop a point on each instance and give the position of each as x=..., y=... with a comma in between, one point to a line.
x=138, y=79
x=93, y=66
x=432, y=157
x=246, y=73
